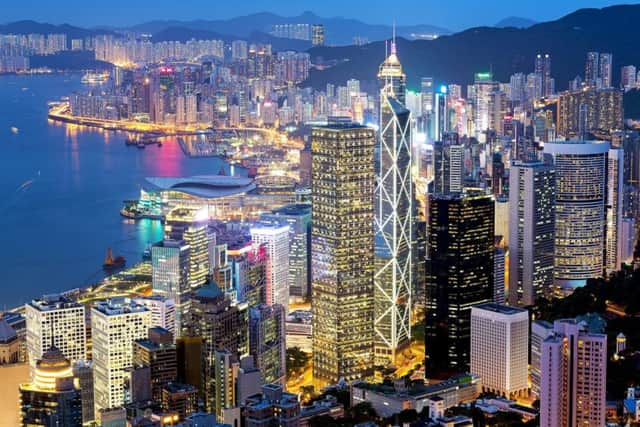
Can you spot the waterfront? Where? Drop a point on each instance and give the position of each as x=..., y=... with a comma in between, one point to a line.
x=61, y=188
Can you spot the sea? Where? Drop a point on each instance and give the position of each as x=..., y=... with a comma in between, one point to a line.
x=61, y=189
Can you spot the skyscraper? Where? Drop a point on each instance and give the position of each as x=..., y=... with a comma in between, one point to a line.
x=606, y=69
x=51, y=399
x=342, y=251
x=580, y=210
x=163, y=312
x=170, y=277
x=500, y=348
x=573, y=371
x=543, y=69
x=615, y=192
x=267, y=342
x=459, y=275
x=393, y=216
x=55, y=320
x=448, y=167
x=115, y=325
x=276, y=239
x=592, y=69
x=158, y=353
x=190, y=225
x=317, y=35
x=531, y=231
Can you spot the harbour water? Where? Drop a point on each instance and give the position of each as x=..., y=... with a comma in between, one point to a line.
x=61, y=189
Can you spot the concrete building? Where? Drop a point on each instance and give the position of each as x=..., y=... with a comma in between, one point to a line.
x=115, y=325
x=276, y=239
x=170, y=277
x=573, y=372
x=163, y=312
x=615, y=193
x=581, y=179
x=158, y=353
x=267, y=342
x=55, y=320
x=531, y=230
x=500, y=348
x=272, y=407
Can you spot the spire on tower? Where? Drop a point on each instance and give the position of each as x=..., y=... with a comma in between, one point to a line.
x=393, y=40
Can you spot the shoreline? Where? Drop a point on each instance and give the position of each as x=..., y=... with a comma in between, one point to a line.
x=56, y=114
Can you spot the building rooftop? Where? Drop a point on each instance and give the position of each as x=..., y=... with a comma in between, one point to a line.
x=53, y=302
x=205, y=186
x=499, y=308
x=7, y=333
x=119, y=306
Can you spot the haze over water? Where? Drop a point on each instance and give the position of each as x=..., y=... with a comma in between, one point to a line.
x=61, y=189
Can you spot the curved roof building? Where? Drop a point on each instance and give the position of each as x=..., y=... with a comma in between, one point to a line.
x=205, y=186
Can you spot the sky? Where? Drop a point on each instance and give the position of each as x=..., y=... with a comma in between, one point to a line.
x=452, y=14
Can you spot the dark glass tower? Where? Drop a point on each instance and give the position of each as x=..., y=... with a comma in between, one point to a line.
x=459, y=276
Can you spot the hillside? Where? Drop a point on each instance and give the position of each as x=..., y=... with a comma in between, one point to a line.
x=33, y=27
x=505, y=51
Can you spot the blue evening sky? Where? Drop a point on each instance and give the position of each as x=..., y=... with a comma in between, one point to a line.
x=453, y=14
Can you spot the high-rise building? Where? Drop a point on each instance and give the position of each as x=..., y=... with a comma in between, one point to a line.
x=317, y=35
x=158, y=353
x=239, y=50
x=170, y=277
x=483, y=99
x=628, y=77
x=83, y=378
x=448, y=167
x=500, y=348
x=249, y=266
x=51, y=399
x=615, y=192
x=581, y=178
x=426, y=94
x=267, y=342
x=298, y=218
x=190, y=225
x=115, y=325
x=543, y=69
x=180, y=398
x=540, y=331
x=441, y=114
x=273, y=407
x=590, y=109
x=498, y=275
x=342, y=251
x=276, y=240
x=459, y=275
x=223, y=325
x=393, y=223
x=605, y=69
x=163, y=311
x=55, y=320
x=573, y=372
x=592, y=69
x=531, y=231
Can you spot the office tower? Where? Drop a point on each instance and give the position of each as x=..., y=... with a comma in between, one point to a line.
x=9, y=343
x=83, y=378
x=448, y=167
x=498, y=275
x=55, y=320
x=317, y=35
x=543, y=69
x=298, y=218
x=163, y=311
x=115, y=325
x=138, y=384
x=223, y=325
x=518, y=83
x=170, y=277
x=225, y=368
x=158, y=353
x=342, y=251
x=393, y=223
x=249, y=273
x=441, y=109
x=267, y=342
x=497, y=174
x=391, y=78
x=180, y=398
x=580, y=210
x=426, y=93
x=589, y=110
x=592, y=69
x=51, y=399
x=273, y=407
x=531, y=231
x=573, y=372
x=605, y=69
x=483, y=101
x=628, y=240
x=628, y=77
x=615, y=192
x=190, y=225
x=459, y=275
x=276, y=239
x=500, y=348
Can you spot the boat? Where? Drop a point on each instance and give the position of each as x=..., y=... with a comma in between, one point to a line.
x=111, y=263
x=146, y=254
x=140, y=145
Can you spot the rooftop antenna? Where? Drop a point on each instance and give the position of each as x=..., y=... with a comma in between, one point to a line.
x=393, y=40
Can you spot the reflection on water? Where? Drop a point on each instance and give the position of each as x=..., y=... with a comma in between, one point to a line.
x=59, y=226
